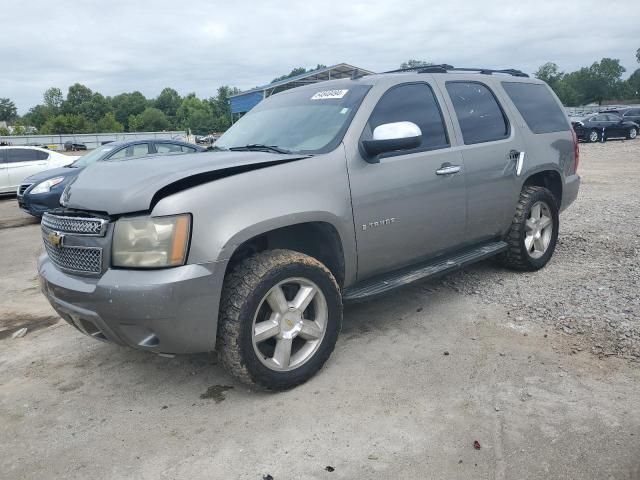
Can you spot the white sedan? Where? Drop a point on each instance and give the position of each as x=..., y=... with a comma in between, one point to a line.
x=17, y=163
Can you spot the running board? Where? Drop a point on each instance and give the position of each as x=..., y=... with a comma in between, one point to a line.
x=434, y=268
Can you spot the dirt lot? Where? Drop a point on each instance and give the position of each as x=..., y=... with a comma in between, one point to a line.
x=541, y=369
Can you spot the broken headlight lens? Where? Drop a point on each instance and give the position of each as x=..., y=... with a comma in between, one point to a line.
x=151, y=242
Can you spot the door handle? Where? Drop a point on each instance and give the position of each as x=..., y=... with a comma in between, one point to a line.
x=448, y=169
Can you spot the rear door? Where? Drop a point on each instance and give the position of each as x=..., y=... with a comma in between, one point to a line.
x=23, y=162
x=404, y=210
x=491, y=149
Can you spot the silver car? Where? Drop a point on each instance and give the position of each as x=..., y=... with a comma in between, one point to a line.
x=323, y=194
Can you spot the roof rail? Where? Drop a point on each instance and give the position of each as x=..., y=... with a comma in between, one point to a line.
x=444, y=68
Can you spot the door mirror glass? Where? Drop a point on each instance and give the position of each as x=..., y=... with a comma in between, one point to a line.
x=390, y=137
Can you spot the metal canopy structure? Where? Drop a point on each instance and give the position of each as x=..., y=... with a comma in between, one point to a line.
x=245, y=101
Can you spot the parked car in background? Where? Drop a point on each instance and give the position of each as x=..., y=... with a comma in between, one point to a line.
x=19, y=162
x=73, y=147
x=41, y=192
x=611, y=125
x=631, y=114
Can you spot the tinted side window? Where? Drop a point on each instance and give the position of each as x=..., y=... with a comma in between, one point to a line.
x=119, y=155
x=412, y=103
x=188, y=149
x=167, y=148
x=481, y=118
x=15, y=155
x=599, y=118
x=537, y=106
x=42, y=155
x=140, y=150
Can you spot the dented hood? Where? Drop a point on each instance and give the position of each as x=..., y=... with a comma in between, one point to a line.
x=117, y=187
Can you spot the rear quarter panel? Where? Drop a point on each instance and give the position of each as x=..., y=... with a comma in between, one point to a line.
x=544, y=151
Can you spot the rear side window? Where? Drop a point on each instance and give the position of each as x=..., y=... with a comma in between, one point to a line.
x=537, y=106
x=168, y=148
x=42, y=155
x=480, y=116
x=15, y=155
x=414, y=102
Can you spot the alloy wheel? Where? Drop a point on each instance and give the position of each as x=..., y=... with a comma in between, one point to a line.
x=289, y=324
x=538, y=230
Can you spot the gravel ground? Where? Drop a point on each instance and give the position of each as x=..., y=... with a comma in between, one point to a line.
x=539, y=368
x=590, y=290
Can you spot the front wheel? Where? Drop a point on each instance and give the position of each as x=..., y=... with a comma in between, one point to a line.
x=280, y=315
x=632, y=133
x=594, y=136
x=534, y=230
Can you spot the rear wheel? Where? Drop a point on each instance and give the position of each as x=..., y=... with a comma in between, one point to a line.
x=632, y=133
x=534, y=230
x=280, y=315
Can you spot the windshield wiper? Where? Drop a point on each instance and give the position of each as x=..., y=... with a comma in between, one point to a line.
x=258, y=147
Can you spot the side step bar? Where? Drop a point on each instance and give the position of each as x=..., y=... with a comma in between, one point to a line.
x=434, y=268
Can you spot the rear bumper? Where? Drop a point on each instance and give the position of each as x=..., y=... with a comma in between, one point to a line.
x=570, y=190
x=165, y=311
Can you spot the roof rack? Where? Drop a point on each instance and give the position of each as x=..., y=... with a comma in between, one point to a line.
x=444, y=68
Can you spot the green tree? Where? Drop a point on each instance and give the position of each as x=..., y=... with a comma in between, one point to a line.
x=221, y=108
x=77, y=96
x=8, y=110
x=195, y=115
x=168, y=102
x=53, y=99
x=638, y=55
x=415, y=64
x=126, y=105
x=151, y=120
x=4, y=132
x=298, y=71
x=37, y=116
x=67, y=123
x=549, y=73
x=109, y=124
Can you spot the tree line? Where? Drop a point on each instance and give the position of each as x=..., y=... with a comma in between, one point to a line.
x=85, y=111
x=599, y=82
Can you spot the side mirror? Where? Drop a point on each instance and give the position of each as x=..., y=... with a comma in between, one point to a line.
x=390, y=137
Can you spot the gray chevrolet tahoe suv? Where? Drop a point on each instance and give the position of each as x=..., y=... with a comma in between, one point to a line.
x=332, y=192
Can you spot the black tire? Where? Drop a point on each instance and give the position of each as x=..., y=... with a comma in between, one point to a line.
x=517, y=256
x=243, y=292
x=632, y=133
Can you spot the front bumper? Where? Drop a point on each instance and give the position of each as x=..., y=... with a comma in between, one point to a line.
x=37, y=205
x=173, y=310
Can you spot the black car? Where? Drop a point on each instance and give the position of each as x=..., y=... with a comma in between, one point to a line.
x=631, y=114
x=603, y=126
x=41, y=192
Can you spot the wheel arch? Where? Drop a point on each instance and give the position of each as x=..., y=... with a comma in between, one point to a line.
x=317, y=238
x=550, y=179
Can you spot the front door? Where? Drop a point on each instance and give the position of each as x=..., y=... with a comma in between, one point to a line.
x=406, y=207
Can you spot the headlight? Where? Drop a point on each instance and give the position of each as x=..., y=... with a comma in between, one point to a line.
x=151, y=242
x=46, y=186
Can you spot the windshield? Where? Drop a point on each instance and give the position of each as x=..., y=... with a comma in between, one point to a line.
x=301, y=121
x=92, y=156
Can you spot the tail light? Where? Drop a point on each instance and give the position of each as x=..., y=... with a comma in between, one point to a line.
x=576, y=151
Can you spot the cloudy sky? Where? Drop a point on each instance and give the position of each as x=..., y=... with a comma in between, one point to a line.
x=195, y=46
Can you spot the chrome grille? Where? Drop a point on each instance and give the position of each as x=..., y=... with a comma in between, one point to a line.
x=76, y=259
x=78, y=225
x=23, y=188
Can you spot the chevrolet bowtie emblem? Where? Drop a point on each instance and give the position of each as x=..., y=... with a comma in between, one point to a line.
x=56, y=239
